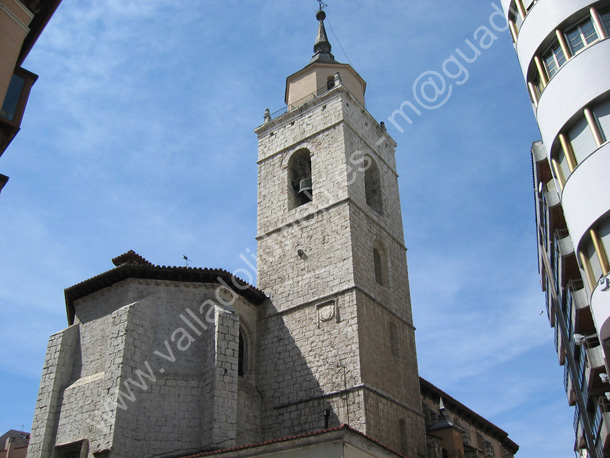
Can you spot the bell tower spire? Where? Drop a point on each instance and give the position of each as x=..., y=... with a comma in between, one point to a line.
x=332, y=259
x=322, y=46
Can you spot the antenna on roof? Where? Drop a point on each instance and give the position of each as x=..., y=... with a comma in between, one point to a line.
x=322, y=5
x=186, y=259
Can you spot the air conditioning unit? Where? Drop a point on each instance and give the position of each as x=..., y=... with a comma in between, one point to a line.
x=604, y=283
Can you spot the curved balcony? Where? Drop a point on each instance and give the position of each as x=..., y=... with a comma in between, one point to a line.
x=541, y=23
x=559, y=102
x=585, y=195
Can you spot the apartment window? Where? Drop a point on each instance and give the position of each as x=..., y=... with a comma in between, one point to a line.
x=538, y=86
x=581, y=36
x=602, y=114
x=13, y=95
x=605, y=17
x=528, y=4
x=582, y=140
x=516, y=18
x=554, y=59
x=593, y=260
x=563, y=165
x=604, y=235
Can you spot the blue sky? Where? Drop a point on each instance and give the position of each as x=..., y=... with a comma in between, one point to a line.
x=139, y=135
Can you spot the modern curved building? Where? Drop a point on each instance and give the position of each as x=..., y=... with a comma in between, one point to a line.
x=563, y=48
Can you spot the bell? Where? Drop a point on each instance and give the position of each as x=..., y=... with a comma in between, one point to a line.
x=305, y=185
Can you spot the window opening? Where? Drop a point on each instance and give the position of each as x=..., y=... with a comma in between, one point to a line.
x=582, y=140
x=602, y=113
x=581, y=36
x=372, y=186
x=380, y=262
x=605, y=17
x=299, y=179
x=554, y=59
x=241, y=361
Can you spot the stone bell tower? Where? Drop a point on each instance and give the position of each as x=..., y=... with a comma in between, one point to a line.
x=336, y=340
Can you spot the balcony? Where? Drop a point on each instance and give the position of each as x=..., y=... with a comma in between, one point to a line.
x=601, y=427
x=569, y=386
x=595, y=366
x=583, y=319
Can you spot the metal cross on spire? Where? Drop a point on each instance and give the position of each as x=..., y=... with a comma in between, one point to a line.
x=322, y=5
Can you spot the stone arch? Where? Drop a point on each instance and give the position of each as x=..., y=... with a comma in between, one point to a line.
x=300, y=184
x=372, y=186
x=245, y=354
x=380, y=262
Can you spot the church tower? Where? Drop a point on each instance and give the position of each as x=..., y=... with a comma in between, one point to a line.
x=336, y=342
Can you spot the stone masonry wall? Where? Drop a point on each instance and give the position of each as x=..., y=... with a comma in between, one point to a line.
x=385, y=428
x=308, y=361
x=322, y=252
x=155, y=376
x=56, y=373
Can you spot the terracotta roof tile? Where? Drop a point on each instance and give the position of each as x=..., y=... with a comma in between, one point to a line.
x=132, y=265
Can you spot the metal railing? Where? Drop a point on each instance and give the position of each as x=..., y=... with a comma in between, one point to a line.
x=299, y=103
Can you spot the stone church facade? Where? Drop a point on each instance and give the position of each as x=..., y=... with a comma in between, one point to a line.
x=171, y=361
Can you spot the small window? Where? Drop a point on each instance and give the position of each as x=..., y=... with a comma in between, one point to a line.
x=538, y=86
x=515, y=16
x=554, y=59
x=372, y=186
x=242, y=354
x=563, y=165
x=582, y=140
x=605, y=17
x=604, y=235
x=593, y=260
x=602, y=114
x=300, y=184
x=380, y=262
x=330, y=83
x=581, y=36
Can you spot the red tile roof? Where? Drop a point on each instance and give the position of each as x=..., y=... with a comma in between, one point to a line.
x=132, y=265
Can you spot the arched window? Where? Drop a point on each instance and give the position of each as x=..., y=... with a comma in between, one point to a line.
x=300, y=185
x=372, y=186
x=380, y=262
x=242, y=354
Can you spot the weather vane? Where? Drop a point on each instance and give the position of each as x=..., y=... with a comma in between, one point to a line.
x=322, y=5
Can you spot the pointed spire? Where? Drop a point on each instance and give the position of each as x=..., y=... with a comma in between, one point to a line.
x=322, y=47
